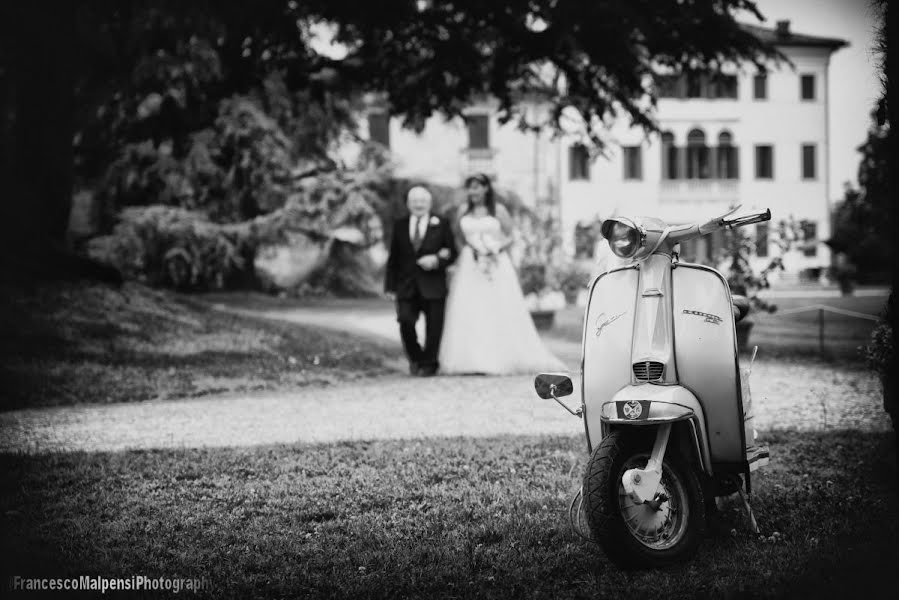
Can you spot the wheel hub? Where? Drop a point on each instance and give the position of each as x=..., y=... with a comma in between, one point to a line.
x=656, y=523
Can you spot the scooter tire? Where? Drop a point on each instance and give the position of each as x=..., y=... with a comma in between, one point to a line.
x=602, y=490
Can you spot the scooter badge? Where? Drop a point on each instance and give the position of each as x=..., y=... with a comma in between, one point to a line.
x=632, y=410
x=709, y=318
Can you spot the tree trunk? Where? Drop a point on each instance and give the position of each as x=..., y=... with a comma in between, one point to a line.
x=891, y=70
x=38, y=130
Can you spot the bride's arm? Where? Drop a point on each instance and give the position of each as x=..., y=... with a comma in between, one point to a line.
x=508, y=228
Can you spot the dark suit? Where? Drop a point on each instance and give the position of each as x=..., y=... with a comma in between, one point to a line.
x=418, y=290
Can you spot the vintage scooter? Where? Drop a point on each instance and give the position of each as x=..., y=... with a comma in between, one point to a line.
x=662, y=395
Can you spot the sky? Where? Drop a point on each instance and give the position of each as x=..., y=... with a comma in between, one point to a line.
x=854, y=73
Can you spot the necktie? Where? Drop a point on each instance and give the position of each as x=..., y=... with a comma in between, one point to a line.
x=416, y=237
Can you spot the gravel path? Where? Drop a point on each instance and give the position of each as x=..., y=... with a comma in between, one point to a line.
x=800, y=395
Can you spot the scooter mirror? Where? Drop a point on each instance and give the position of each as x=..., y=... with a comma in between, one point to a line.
x=547, y=384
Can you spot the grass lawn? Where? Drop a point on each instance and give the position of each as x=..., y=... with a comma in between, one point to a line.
x=778, y=335
x=72, y=343
x=436, y=518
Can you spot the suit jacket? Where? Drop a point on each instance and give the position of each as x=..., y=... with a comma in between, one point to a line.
x=403, y=276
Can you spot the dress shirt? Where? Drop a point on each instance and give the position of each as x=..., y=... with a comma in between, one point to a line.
x=422, y=226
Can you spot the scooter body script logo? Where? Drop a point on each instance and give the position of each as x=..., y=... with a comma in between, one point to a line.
x=602, y=321
x=709, y=318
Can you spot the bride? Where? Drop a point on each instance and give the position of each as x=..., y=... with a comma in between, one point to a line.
x=488, y=326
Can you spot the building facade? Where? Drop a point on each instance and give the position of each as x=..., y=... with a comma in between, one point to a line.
x=741, y=137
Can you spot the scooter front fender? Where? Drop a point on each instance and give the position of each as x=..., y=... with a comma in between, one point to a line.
x=647, y=404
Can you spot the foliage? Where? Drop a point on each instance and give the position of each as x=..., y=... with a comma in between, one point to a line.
x=532, y=277
x=595, y=58
x=573, y=277
x=425, y=56
x=124, y=73
x=880, y=354
x=542, y=241
x=861, y=223
x=240, y=167
x=586, y=236
x=172, y=246
x=542, y=259
x=737, y=253
x=175, y=247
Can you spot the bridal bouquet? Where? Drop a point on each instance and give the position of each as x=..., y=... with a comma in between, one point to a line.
x=486, y=251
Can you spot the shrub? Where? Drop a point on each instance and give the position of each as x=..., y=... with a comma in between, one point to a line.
x=573, y=277
x=174, y=247
x=740, y=247
x=880, y=354
x=184, y=249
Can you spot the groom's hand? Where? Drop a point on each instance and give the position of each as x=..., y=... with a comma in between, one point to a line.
x=428, y=262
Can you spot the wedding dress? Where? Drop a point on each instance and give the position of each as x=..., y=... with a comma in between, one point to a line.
x=488, y=328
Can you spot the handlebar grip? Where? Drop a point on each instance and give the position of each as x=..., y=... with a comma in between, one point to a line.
x=748, y=219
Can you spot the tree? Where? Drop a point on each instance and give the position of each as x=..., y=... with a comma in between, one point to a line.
x=861, y=227
x=87, y=66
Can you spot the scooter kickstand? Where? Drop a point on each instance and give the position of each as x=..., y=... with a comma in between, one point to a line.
x=752, y=522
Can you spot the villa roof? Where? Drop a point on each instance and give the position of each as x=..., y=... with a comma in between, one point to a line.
x=782, y=36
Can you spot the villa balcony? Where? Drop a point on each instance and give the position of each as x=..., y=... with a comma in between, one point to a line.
x=478, y=160
x=699, y=191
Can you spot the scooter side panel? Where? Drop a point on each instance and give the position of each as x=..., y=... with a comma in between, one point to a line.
x=705, y=351
x=608, y=332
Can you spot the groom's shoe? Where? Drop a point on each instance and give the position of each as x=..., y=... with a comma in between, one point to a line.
x=414, y=369
x=428, y=371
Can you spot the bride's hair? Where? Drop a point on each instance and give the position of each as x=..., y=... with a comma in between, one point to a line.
x=489, y=200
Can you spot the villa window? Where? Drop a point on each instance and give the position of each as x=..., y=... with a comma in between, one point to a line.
x=695, y=85
x=761, y=240
x=578, y=163
x=379, y=128
x=722, y=86
x=669, y=156
x=669, y=86
x=697, y=155
x=727, y=157
x=764, y=162
x=633, y=162
x=808, y=161
x=810, y=238
x=807, y=87
x=478, y=132
x=760, y=87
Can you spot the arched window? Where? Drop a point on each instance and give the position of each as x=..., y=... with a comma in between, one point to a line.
x=727, y=165
x=669, y=156
x=697, y=155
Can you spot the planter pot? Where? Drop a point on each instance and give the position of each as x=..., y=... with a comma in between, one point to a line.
x=543, y=319
x=744, y=327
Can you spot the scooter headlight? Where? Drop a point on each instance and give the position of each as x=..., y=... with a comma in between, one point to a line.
x=625, y=237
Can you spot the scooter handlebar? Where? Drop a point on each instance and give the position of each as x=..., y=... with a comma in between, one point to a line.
x=757, y=216
x=728, y=220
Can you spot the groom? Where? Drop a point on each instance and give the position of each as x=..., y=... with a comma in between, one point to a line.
x=421, y=247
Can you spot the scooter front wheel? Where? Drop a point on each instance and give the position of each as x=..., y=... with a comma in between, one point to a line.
x=642, y=535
